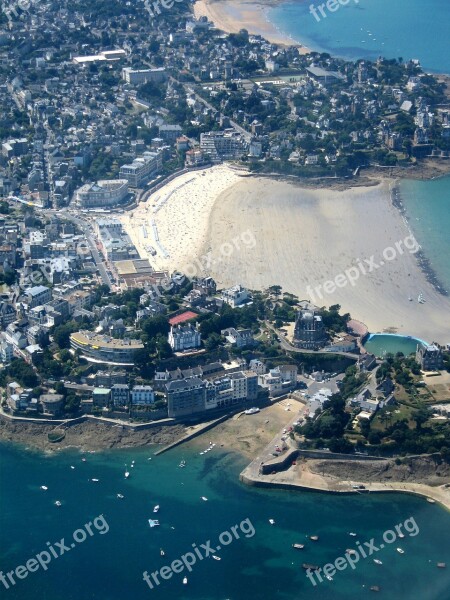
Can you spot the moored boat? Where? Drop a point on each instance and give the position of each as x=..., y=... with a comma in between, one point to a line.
x=314, y=538
x=153, y=522
x=298, y=546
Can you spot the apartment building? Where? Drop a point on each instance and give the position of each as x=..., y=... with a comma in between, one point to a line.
x=103, y=193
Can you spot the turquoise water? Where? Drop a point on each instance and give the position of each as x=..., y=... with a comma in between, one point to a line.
x=264, y=566
x=400, y=28
x=381, y=344
x=427, y=205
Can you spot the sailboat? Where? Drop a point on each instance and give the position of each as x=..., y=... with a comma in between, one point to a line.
x=127, y=473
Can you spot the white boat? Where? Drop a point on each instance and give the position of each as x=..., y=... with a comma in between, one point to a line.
x=156, y=508
x=400, y=551
x=271, y=521
x=185, y=580
x=72, y=467
x=352, y=534
x=377, y=561
x=95, y=480
x=83, y=460
x=121, y=496
x=58, y=503
x=251, y=411
x=127, y=474
x=44, y=487
x=215, y=557
x=401, y=535
x=161, y=551
x=329, y=577
x=153, y=522
x=205, y=499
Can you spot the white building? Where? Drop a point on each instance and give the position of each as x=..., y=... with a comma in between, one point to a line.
x=103, y=193
x=142, y=395
x=184, y=338
x=139, y=76
x=236, y=296
x=141, y=169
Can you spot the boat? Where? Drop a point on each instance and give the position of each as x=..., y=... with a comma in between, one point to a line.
x=215, y=557
x=121, y=496
x=95, y=480
x=83, y=460
x=352, y=534
x=431, y=501
x=400, y=551
x=308, y=566
x=251, y=411
x=44, y=487
x=153, y=522
x=374, y=588
x=161, y=551
x=271, y=521
x=58, y=503
x=205, y=499
x=314, y=538
x=329, y=577
x=441, y=565
x=185, y=580
x=298, y=546
x=127, y=474
x=72, y=467
x=156, y=508
x=401, y=535
x=377, y=561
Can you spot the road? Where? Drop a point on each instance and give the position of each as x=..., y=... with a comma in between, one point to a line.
x=81, y=224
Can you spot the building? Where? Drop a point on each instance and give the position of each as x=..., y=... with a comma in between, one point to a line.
x=186, y=397
x=120, y=394
x=430, y=358
x=323, y=76
x=184, y=337
x=52, y=404
x=279, y=380
x=236, y=296
x=104, y=349
x=238, y=337
x=7, y=314
x=142, y=395
x=142, y=169
x=37, y=296
x=223, y=145
x=109, y=378
x=309, y=332
x=103, y=193
x=140, y=76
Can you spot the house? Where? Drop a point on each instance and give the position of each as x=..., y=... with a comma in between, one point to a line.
x=142, y=395
x=430, y=357
x=309, y=332
x=238, y=337
x=120, y=394
x=184, y=337
x=52, y=404
x=366, y=363
x=236, y=296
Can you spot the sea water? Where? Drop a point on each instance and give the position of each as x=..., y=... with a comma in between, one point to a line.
x=262, y=566
x=411, y=29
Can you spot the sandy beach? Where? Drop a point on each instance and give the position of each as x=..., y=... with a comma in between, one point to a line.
x=232, y=15
x=308, y=237
x=302, y=238
x=179, y=215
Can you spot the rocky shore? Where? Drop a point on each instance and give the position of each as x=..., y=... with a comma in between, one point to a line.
x=88, y=436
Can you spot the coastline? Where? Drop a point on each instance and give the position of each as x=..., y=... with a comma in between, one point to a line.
x=231, y=16
x=357, y=223
x=214, y=206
